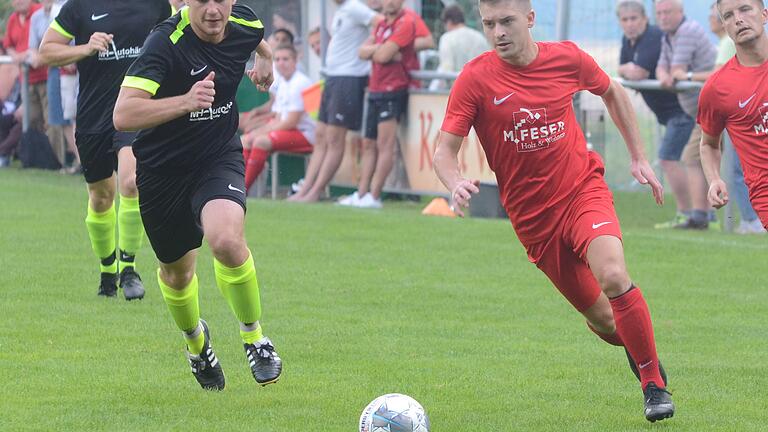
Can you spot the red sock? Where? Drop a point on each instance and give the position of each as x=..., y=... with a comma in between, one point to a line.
x=254, y=165
x=612, y=339
x=633, y=326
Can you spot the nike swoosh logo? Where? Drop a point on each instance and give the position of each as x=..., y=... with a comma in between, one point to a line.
x=501, y=101
x=598, y=225
x=746, y=102
x=645, y=365
x=235, y=189
x=98, y=17
x=194, y=72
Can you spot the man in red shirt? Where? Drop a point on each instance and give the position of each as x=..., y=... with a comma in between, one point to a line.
x=518, y=98
x=391, y=44
x=736, y=98
x=16, y=43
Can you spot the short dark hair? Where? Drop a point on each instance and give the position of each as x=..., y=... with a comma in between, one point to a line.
x=526, y=2
x=288, y=47
x=453, y=14
x=633, y=5
x=287, y=33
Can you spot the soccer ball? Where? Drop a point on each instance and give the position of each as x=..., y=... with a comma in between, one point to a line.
x=394, y=413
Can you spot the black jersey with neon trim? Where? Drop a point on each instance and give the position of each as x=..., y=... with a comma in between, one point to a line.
x=174, y=59
x=101, y=74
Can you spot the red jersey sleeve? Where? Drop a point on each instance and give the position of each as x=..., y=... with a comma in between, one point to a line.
x=404, y=32
x=421, y=28
x=591, y=76
x=711, y=120
x=462, y=106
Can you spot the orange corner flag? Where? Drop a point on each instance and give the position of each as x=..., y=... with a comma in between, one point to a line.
x=438, y=207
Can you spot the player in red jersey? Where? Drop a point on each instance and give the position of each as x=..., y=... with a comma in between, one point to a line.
x=518, y=98
x=736, y=98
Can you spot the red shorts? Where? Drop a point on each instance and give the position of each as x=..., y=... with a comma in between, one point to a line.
x=563, y=257
x=291, y=141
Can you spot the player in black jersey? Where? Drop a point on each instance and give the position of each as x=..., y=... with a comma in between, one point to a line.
x=180, y=94
x=108, y=37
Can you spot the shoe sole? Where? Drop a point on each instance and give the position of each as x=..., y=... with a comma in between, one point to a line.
x=661, y=417
x=266, y=383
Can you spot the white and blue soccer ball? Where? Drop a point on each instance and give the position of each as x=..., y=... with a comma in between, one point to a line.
x=394, y=412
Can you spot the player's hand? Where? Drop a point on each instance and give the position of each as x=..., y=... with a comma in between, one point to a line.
x=261, y=74
x=99, y=42
x=461, y=195
x=718, y=193
x=643, y=173
x=202, y=93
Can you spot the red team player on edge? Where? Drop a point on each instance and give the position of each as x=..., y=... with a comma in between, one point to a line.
x=518, y=98
x=736, y=98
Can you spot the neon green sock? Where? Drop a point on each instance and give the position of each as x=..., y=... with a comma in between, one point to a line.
x=251, y=334
x=101, y=230
x=241, y=290
x=184, y=307
x=195, y=340
x=131, y=230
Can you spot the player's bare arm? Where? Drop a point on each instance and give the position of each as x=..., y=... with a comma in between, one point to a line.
x=135, y=109
x=620, y=110
x=423, y=43
x=386, y=52
x=55, y=49
x=446, y=163
x=261, y=74
x=711, y=156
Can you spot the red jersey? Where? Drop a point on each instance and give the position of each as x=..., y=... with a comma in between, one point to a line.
x=525, y=121
x=412, y=62
x=17, y=37
x=394, y=76
x=735, y=98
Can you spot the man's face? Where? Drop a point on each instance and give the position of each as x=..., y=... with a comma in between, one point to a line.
x=507, y=27
x=391, y=7
x=21, y=6
x=278, y=38
x=314, y=42
x=633, y=23
x=743, y=20
x=285, y=63
x=210, y=16
x=668, y=15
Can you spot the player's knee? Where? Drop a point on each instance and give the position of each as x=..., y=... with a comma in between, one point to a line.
x=127, y=185
x=225, y=245
x=369, y=145
x=101, y=200
x=177, y=278
x=613, y=280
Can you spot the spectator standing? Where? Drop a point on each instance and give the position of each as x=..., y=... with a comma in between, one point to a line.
x=687, y=55
x=459, y=44
x=389, y=49
x=39, y=23
x=291, y=130
x=640, y=50
x=341, y=106
x=16, y=43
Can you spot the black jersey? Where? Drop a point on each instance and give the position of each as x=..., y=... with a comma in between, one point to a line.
x=174, y=59
x=129, y=21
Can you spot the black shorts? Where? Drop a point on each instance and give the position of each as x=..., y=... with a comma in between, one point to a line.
x=342, y=102
x=98, y=152
x=171, y=205
x=383, y=107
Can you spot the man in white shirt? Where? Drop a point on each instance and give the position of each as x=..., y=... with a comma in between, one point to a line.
x=459, y=44
x=341, y=107
x=291, y=130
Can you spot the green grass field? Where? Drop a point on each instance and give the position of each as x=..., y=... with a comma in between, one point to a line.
x=361, y=303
